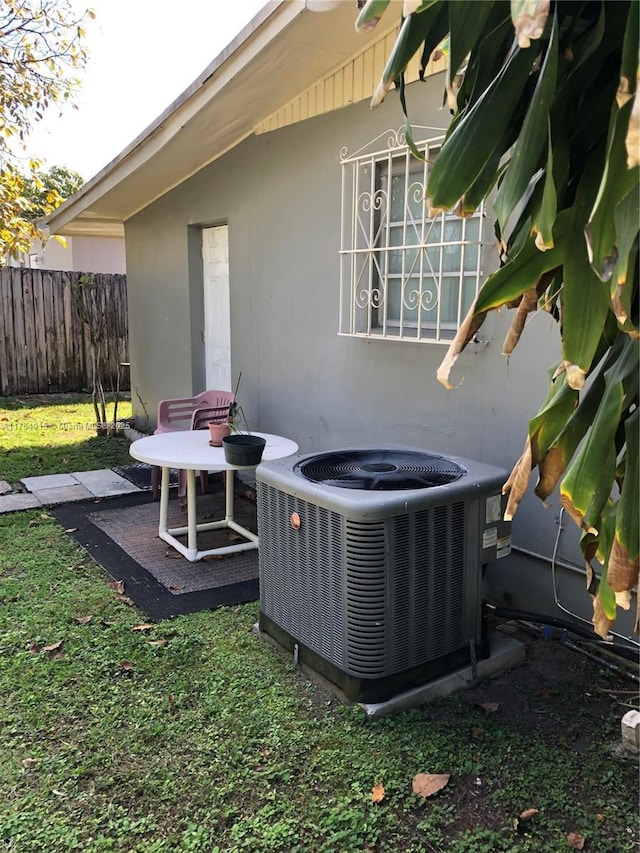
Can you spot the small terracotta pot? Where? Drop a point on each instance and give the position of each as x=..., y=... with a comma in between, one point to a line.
x=218, y=430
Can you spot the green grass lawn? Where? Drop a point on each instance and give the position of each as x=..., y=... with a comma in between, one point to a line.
x=56, y=434
x=193, y=735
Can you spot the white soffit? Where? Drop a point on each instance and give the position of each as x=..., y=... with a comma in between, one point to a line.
x=281, y=52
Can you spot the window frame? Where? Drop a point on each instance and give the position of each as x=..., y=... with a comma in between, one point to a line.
x=368, y=252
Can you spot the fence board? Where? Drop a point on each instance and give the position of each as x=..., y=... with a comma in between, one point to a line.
x=20, y=379
x=44, y=345
x=6, y=340
x=49, y=332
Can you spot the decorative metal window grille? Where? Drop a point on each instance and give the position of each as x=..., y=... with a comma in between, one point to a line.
x=403, y=275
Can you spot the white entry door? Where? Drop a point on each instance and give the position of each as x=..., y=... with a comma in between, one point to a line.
x=217, y=310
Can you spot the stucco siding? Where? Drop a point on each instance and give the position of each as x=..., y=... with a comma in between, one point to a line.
x=279, y=193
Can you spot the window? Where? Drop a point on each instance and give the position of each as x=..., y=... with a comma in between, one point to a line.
x=403, y=275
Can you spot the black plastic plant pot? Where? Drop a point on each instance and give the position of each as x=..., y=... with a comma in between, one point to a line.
x=243, y=449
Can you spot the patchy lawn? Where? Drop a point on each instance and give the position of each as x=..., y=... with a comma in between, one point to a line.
x=55, y=434
x=193, y=735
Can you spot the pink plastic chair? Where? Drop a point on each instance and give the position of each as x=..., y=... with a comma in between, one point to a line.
x=181, y=413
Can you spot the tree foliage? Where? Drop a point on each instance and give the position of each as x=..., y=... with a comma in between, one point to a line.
x=47, y=190
x=41, y=48
x=546, y=122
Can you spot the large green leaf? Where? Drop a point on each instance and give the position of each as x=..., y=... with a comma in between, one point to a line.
x=527, y=152
x=370, y=14
x=524, y=270
x=466, y=24
x=617, y=182
x=476, y=137
x=426, y=29
x=591, y=471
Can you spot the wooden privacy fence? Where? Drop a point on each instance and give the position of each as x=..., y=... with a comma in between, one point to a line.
x=44, y=345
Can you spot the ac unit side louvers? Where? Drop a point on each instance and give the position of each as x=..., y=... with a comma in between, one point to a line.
x=378, y=588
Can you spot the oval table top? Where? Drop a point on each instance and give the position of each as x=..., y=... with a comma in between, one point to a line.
x=190, y=449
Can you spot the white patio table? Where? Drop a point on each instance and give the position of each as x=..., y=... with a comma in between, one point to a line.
x=190, y=450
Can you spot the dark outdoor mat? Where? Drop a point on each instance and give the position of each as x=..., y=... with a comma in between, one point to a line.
x=139, y=473
x=121, y=534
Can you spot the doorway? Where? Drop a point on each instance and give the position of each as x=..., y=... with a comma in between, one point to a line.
x=217, y=307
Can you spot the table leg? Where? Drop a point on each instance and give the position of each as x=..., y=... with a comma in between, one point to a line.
x=192, y=533
x=228, y=490
x=164, y=500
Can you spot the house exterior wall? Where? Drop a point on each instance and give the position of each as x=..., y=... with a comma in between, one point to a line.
x=80, y=254
x=280, y=195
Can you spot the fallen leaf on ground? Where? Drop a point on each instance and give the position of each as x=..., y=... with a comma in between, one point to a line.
x=107, y=623
x=124, y=599
x=83, y=620
x=527, y=814
x=157, y=642
x=234, y=537
x=35, y=649
x=70, y=529
x=117, y=585
x=28, y=763
x=146, y=627
x=211, y=558
x=600, y=817
x=492, y=707
x=377, y=793
x=428, y=784
x=126, y=665
x=33, y=523
x=46, y=517
x=576, y=841
x=175, y=587
x=476, y=731
x=53, y=647
x=524, y=817
x=173, y=555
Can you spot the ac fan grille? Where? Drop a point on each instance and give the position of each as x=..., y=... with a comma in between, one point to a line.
x=380, y=470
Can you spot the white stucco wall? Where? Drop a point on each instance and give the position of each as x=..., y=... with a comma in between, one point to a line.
x=80, y=254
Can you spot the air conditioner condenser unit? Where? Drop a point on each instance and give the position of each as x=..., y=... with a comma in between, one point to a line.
x=371, y=563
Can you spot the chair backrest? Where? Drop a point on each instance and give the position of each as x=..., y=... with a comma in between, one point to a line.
x=201, y=417
x=177, y=413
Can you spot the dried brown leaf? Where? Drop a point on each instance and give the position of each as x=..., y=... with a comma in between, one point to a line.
x=124, y=599
x=175, y=587
x=83, y=620
x=516, y=485
x=157, y=642
x=147, y=626
x=476, y=731
x=126, y=666
x=377, y=793
x=428, y=784
x=117, y=585
x=470, y=326
x=527, y=814
x=576, y=841
x=70, y=529
x=53, y=646
x=492, y=707
x=107, y=623
x=28, y=763
x=35, y=649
